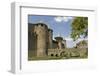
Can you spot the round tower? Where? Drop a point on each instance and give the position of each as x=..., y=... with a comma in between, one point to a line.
x=59, y=40
x=41, y=31
x=50, y=34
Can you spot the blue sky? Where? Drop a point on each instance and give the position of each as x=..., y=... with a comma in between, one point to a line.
x=61, y=25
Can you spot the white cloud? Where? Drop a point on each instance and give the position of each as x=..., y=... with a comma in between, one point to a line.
x=69, y=39
x=70, y=43
x=58, y=19
x=62, y=19
x=81, y=39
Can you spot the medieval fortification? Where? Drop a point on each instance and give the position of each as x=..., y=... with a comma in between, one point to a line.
x=40, y=40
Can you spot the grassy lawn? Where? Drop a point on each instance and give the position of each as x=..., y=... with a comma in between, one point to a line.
x=53, y=58
x=44, y=58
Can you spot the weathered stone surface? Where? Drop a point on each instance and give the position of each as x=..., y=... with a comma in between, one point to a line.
x=41, y=43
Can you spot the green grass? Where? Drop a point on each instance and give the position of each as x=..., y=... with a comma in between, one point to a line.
x=53, y=58
x=44, y=58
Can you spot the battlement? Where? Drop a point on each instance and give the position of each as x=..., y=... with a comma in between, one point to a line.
x=42, y=40
x=40, y=25
x=50, y=30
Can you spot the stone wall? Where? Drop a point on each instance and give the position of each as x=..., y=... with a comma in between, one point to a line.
x=69, y=52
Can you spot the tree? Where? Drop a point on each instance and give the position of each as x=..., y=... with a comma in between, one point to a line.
x=79, y=27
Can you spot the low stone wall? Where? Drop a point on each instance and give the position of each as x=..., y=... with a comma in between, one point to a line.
x=69, y=52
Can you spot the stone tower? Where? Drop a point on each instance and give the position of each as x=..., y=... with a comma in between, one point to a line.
x=50, y=34
x=41, y=30
x=59, y=40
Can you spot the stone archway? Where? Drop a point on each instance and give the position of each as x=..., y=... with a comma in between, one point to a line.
x=63, y=54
